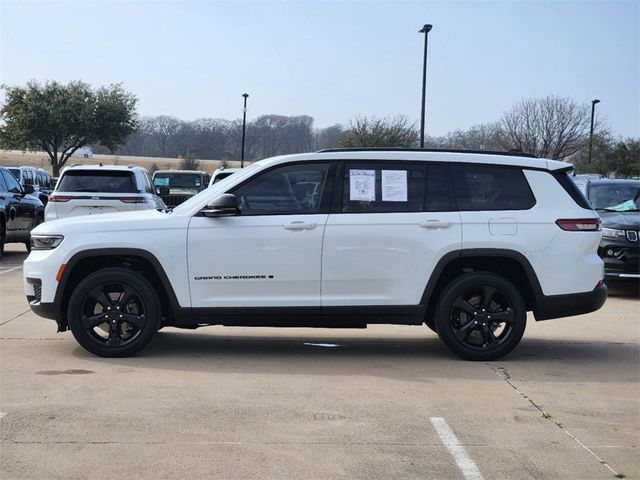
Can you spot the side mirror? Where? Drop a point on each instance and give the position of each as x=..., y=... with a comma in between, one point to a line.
x=162, y=190
x=226, y=205
x=28, y=189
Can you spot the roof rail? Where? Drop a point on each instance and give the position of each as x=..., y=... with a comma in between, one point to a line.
x=510, y=153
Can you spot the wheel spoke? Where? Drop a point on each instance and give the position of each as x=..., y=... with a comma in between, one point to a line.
x=114, y=334
x=99, y=296
x=464, y=331
x=93, y=320
x=487, y=295
x=465, y=306
x=137, y=320
x=488, y=336
x=503, y=316
x=126, y=295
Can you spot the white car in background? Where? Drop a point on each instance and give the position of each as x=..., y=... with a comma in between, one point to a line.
x=95, y=189
x=221, y=173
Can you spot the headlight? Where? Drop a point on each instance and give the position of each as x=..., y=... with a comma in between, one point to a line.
x=45, y=242
x=612, y=233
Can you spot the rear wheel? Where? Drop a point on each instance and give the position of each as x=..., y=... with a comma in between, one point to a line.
x=481, y=316
x=114, y=312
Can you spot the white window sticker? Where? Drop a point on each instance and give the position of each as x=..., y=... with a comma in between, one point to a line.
x=394, y=185
x=362, y=185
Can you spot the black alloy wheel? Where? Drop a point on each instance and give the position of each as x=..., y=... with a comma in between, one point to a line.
x=481, y=316
x=114, y=312
x=3, y=236
x=37, y=222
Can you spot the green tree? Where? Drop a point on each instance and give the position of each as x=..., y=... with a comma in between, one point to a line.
x=610, y=156
x=376, y=132
x=60, y=119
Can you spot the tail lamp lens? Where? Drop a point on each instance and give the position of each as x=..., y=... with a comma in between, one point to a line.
x=579, y=224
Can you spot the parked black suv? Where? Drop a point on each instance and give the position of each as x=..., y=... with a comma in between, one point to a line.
x=19, y=211
x=618, y=203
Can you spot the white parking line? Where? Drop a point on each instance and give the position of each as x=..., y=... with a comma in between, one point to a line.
x=457, y=451
x=9, y=270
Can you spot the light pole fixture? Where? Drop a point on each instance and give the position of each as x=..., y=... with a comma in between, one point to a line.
x=593, y=111
x=425, y=29
x=244, y=128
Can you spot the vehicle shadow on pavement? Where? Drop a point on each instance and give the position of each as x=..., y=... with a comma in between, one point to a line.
x=381, y=357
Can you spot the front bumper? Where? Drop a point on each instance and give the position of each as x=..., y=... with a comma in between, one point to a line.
x=558, y=306
x=621, y=259
x=46, y=310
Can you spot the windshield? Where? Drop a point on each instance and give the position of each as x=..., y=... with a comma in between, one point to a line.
x=178, y=180
x=218, y=187
x=615, y=197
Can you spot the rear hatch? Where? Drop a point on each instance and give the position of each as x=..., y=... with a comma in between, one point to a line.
x=92, y=192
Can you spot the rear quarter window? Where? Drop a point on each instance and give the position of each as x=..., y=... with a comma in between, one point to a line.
x=97, y=181
x=480, y=187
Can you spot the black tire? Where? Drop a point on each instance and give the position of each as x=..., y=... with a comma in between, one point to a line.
x=481, y=316
x=36, y=222
x=114, y=312
x=3, y=238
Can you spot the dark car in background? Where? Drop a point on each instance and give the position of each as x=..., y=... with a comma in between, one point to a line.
x=177, y=186
x=618, y=203
x=20, y=211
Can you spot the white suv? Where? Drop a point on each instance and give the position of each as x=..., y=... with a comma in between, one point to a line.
x=94, y=189
x=465, y=243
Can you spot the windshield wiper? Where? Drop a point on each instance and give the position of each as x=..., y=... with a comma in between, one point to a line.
x=84, y=190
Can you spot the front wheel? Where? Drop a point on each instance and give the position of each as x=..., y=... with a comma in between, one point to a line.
x=114, y=312
x=481, y=316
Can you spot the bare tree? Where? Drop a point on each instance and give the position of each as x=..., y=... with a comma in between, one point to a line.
x=162, y=128
x=380, y=132
x=550, y=127
x=189, y=163
x=328, y=137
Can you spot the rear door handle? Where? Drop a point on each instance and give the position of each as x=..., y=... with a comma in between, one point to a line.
x=434, y=224
x=299, y=226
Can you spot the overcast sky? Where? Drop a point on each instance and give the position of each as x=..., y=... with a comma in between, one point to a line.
x=334, y=60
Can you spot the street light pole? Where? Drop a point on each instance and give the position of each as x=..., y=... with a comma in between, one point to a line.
x=593, y=111
x=425, y=29
x=244, y=128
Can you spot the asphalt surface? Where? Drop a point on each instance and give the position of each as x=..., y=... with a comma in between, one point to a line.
x=385, y=402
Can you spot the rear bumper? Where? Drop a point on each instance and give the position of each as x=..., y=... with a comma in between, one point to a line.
x=558, y=306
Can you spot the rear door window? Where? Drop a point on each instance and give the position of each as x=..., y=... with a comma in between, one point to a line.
x=97, y=181
x=378, y=187
x=483, y=187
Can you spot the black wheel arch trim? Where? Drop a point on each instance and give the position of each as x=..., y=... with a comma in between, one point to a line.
x=114, y=252
x=442, y=264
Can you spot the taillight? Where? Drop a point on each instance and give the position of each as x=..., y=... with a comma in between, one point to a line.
x=579, y=224
x=59, y=198
x=133, y=199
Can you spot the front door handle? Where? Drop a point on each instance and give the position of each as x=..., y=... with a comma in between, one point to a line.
x=434, y=224
x=299, y=226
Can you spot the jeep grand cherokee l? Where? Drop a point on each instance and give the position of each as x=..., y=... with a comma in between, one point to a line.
x=465, y=243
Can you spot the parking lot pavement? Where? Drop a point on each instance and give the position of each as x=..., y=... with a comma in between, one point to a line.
x=385, y=402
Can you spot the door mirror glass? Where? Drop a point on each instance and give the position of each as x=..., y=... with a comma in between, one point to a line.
x=162, y=190
x=226, y=205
